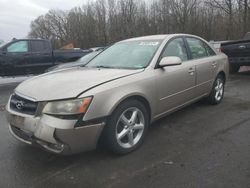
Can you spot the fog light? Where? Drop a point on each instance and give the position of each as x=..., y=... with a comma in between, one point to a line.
x=58, y=146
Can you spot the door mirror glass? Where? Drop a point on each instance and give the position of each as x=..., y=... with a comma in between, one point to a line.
x=170, y=61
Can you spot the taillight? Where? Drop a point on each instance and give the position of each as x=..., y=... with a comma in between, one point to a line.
x=221, y=50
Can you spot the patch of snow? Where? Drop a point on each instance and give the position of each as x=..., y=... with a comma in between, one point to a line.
x=10, y=80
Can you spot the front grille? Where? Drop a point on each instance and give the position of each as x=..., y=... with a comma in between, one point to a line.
x=22, y=105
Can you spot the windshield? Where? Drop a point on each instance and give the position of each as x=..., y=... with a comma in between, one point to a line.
x=85, y=59
x=128, y=55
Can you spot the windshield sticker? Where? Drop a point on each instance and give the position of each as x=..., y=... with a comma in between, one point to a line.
x=149, y=43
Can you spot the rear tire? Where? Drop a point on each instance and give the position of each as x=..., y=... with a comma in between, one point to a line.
x=127, y=127
x=233, y=68
x=217, y=92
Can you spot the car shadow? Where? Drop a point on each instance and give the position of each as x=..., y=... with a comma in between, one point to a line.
x=173, y=116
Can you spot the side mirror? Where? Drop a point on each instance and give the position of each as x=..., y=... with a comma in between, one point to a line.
x=170, y=61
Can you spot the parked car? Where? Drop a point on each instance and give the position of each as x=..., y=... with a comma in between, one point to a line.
x=238, y=53
x=117, y=95
x=97, y=48
x=217, y=44
x=33, y=56
x=80, y=62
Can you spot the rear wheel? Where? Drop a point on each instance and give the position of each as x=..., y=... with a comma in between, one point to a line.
x=233, y=68
x=217, y=92
x=127, y=127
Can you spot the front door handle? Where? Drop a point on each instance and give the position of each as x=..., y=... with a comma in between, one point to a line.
x=191, y=71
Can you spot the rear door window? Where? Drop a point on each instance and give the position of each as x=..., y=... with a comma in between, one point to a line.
x=38, y=46
x=197, y=48
x=210, y=51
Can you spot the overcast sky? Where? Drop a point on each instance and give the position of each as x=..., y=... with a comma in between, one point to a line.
x=16, y=15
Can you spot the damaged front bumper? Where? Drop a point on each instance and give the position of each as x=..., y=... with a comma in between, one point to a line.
x=54, y=134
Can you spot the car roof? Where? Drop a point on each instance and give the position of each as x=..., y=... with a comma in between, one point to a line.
x=157, y=37
x=150, y=37
x=15, y=40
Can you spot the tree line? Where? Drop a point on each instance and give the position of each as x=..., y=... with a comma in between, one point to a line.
x=103, y=22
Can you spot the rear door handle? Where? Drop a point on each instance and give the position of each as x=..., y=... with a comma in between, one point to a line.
x=214, y=64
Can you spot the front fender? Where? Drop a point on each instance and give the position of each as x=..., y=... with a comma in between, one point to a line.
x=108, y=96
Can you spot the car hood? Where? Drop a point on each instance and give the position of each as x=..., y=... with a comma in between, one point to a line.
x=67, y=65
x=61, y=66
x=68, y=83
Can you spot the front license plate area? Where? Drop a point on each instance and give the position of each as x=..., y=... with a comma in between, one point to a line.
x=17, y=121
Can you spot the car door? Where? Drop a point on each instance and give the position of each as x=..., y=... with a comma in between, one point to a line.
x=17, y=55
x=204, y=59
x=41, y=54
x=176, y=83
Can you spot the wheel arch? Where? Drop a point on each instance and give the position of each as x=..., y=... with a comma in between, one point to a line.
x=138, y=97
x=223, y=74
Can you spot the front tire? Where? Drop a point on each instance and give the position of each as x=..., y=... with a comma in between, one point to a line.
x=127, y=127
x=217, y=92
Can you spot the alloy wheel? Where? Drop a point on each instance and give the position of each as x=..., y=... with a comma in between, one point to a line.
x=219, y=89
x=130, y=127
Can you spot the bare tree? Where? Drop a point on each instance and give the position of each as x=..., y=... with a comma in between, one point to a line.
x=103, y=22
x=227, y=7
x=101, y=17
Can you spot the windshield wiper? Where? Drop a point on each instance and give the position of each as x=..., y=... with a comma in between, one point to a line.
x=105, y=67
x=113, y=67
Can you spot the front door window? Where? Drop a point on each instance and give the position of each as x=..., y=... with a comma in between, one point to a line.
x=20, y=46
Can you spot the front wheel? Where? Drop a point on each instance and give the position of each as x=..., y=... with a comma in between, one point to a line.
x=217, y=92
x=127, y=127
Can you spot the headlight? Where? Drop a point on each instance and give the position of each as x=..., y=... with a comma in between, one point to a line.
x=68, y=107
